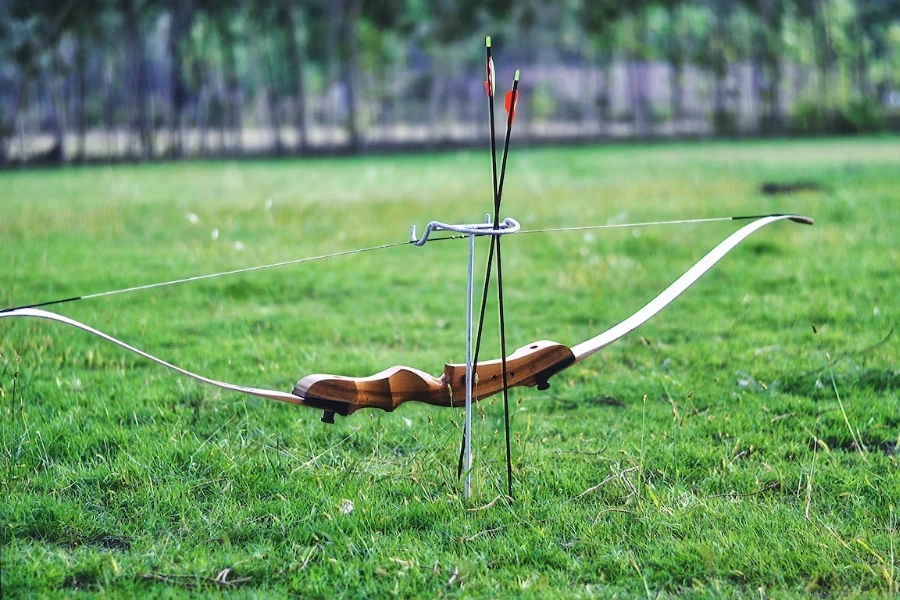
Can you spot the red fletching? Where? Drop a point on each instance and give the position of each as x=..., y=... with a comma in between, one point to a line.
x=512, y=98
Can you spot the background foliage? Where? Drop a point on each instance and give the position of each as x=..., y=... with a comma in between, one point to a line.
x=108, y=79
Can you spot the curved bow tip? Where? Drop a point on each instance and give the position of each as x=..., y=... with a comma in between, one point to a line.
x=802, y=220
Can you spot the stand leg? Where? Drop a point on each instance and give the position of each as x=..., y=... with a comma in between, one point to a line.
x=467, y=431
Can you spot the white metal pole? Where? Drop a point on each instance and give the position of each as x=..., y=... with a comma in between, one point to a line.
x=467, y=431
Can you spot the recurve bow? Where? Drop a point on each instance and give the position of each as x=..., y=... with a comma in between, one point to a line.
x=531, y=365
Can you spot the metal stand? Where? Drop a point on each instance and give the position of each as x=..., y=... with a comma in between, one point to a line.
x=467, y=429
x=472, y=231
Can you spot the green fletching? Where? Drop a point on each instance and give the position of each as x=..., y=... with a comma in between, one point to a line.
x=487, y=42
x=517, y=75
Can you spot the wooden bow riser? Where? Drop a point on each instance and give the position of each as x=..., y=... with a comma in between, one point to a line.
x=530, y=366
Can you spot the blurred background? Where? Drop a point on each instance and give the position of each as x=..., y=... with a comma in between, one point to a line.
x=108, y=80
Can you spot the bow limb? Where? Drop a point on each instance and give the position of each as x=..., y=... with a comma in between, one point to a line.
x=595, y=344
x=259, y=392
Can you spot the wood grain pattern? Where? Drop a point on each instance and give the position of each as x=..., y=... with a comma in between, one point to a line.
x=530, y=365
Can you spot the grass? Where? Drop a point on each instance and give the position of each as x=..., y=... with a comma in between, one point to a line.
x=725, y=449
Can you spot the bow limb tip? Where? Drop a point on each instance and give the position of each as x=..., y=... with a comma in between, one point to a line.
x=791, y=217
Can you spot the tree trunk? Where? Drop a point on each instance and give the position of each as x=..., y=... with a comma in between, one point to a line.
x=718, y=41
x=7, y=131
x=758, y=84
x=675, y=52
x=333, y=61
x=434, y=124
x=861, y=63
x=81, y=60
x=109, y=111
x=232, y=106
x=767, y=53
x=201, y=121
x=676, y=101
x=606, y=100
x=222, y=102
x=139, y=76
x=819, y=24
x=53, y=82
x=178, y=92
x=350, y=36
x=236, y=112
x=271, y=95
x=23, y=146
x=275, y=120
x=585, y=115
x=775, y=115
x=636, y=65
x=295, y=66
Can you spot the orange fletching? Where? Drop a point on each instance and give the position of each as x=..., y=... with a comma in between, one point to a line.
x=512, y=98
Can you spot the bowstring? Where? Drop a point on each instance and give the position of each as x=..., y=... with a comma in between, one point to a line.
x=373, y=248
x=646, y=223
x=194, y=278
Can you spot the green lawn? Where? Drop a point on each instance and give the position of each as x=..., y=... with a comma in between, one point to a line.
x=706, y=454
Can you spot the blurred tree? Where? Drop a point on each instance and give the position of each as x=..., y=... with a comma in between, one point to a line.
x=19, y=47
x=181, y=20
x=599, y=19
x=718, y=61
x=245, y=75
x=288, y=14
x=876, y=21
x=133, y=11
x=766, y=63
x=34, y=30
x=813, y=13
x=675, y=49
x=352, y=11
